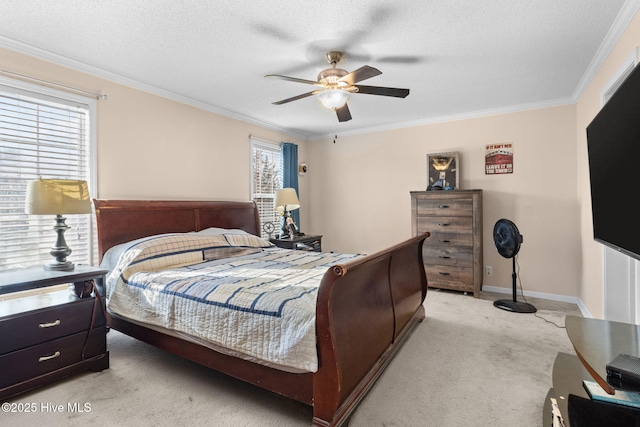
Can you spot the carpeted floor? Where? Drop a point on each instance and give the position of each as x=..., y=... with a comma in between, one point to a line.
x=467, y=364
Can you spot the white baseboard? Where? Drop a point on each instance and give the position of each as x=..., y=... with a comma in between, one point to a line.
x=552, y=297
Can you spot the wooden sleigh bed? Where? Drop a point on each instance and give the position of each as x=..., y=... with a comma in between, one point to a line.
x=365, y=309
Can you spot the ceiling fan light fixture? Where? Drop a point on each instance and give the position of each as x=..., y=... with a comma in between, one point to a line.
x=333, y=98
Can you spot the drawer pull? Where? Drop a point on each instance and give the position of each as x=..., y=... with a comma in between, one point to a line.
x=444, y=256
x=49, y=325
x=442, y=206
x=443, y=273
x=444, y=241
x=443, y=224
x=45, y=358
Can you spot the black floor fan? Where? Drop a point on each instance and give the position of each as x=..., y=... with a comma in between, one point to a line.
x=508, y=239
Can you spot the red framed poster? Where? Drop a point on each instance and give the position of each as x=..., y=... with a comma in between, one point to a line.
x=498, y=159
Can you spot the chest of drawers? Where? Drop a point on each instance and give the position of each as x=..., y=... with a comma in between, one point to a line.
x=453, y=253
x=49, y=335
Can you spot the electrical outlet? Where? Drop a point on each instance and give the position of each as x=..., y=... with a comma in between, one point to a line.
x=488, y=270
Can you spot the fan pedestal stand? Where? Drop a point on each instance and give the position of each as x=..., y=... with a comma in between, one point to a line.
x=514, y=305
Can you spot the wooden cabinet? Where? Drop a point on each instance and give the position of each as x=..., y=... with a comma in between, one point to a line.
x=453, y=253
x=300, y=243
x=49, y=335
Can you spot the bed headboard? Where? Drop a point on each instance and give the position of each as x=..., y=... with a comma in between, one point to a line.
x=120, y=221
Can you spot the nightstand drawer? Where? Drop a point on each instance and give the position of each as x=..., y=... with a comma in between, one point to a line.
x=311, y=245
x=300, y=243
x=22, y=330
x=31, y=362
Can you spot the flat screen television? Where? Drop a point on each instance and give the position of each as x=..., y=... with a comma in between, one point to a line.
x=613, y=144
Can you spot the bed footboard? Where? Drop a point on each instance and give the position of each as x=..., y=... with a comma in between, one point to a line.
x=365, y=311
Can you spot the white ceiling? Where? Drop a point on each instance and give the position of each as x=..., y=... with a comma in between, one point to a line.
x=459, y=58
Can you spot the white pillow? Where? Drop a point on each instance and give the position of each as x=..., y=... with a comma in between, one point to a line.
x=211, y=231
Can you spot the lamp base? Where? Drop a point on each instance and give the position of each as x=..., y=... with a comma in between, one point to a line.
x=60, y=266
x=60, y=251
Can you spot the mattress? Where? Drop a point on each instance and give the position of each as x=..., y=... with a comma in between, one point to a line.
x=235, y=292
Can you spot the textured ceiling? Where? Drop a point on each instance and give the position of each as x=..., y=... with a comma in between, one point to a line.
x=458, y=58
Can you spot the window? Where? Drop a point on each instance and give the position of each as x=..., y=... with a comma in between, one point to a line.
x=43, y=133
x=266, y=180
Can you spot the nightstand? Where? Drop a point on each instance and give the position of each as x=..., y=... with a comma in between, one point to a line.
x=300, y=243
x=49, y=335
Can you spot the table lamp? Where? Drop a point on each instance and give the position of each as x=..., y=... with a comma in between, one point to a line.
x=58, y=197
x=287, y=201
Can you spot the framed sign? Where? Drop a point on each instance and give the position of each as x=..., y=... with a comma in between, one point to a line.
x=443, y=171
x=498, y=159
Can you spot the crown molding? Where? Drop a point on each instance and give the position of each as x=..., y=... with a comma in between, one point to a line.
x=38, y=53
x=452, y=118
x=628, y=11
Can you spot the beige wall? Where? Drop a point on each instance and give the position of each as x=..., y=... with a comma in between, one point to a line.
x=151, y=147
x=361, y=188
x=356, y=192
x=591, y=292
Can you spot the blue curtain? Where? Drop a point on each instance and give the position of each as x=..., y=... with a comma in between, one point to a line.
x=290, y=173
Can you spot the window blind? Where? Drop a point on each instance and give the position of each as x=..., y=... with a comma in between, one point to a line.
x=266, y=180
x=40, y=136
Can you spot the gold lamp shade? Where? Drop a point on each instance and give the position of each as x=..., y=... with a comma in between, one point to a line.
x=57, y=196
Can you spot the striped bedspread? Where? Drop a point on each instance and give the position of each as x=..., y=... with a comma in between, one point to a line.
x=238, y=292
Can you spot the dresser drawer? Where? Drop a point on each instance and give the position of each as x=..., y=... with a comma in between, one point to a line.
x=450, y=277
x=449, y=224
x=461, y=256
x=31, y=362
x=440, y=238
x=445, y=206
x=29, y=328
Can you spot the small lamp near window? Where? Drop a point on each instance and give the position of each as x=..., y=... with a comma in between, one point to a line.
x=58, y=197
x=287, y=201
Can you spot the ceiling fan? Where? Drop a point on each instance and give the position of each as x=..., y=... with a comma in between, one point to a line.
x=337, y=84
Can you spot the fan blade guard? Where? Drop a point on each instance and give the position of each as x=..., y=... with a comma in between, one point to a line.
x=507, y=238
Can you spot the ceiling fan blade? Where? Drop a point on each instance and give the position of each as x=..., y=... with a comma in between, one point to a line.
x=344, y=115
x=384, y=91
x=362, y=73
x=294, y=79
x=295, y=98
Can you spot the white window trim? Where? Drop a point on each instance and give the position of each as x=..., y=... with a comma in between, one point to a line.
x=91, y=104
x=271, y=146
x=620, y=273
